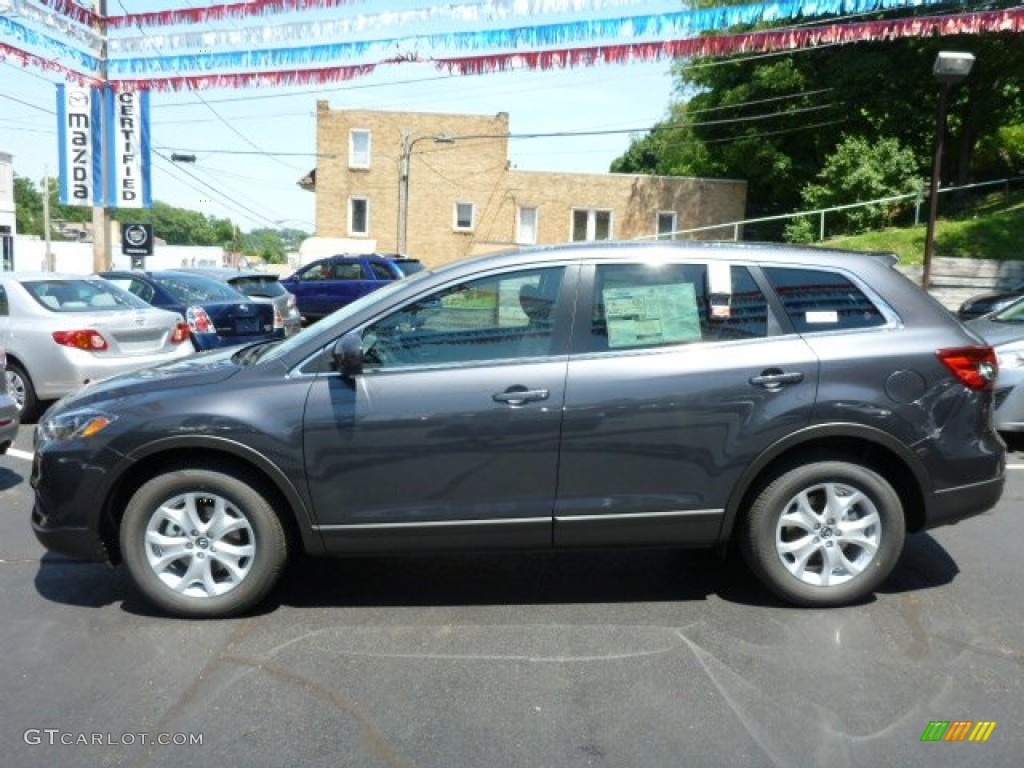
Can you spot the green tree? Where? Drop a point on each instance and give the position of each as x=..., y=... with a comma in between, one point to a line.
x=859, y=170
x=773, y=120
x=28, y=207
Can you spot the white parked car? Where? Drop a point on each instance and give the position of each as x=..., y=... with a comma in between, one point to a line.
x=62, y=331
x=8, y=408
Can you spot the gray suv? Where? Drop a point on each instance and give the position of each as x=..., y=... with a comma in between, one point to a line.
x=811, y=406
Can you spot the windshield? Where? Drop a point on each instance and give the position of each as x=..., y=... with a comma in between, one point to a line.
x=259, y=285
x=195, y=289
x=82, y=296
x=348, y=310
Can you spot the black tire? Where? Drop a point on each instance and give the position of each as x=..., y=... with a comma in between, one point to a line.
x=20, y=387
x=209, y=557
x=801, y=576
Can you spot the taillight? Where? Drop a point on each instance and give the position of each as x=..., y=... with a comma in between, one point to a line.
x=278, y=319
x=975, y=366
x=180, y=334
x=89, y=340
x=198, y=320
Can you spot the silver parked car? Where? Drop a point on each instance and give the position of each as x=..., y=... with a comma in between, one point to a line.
x=1004, y=330
x=8, y=409
x=62, y=331
x=262, y=287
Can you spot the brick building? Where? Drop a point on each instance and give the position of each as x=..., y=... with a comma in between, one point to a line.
x=439, y=187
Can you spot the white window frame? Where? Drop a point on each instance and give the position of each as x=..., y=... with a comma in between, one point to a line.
x=670, y=235
x=455, y=216
x=358, y=159
x=352, y=231
x=591, y=224
x=520, y=239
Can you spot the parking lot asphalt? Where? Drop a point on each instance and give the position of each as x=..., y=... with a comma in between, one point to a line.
x=651, y=658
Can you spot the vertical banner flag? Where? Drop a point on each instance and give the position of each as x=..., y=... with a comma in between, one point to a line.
x=79, y=139
x=128, y=178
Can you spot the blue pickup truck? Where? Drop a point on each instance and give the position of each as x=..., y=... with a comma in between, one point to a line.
x=327, y=284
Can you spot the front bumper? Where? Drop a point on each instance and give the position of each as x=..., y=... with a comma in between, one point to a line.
x=8, y=421
x=69, y=491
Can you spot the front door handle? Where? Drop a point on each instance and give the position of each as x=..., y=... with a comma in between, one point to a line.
x=520, y=395
x=773, y=378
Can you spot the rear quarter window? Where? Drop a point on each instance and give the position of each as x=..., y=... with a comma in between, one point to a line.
x=821, y=300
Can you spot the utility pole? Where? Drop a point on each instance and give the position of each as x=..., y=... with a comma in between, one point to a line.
x=101, y=247
x=48, y=253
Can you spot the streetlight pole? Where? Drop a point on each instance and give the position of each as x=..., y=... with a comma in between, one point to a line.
x=101, y=246
x=950, y=68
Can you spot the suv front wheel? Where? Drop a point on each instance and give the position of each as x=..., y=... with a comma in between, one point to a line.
x=201, y=543
x=824, y=534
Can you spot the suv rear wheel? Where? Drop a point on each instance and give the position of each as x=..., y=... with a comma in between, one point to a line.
x=202, y=543
x=824, y=534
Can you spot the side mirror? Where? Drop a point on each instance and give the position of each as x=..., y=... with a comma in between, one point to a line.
x=348, y=354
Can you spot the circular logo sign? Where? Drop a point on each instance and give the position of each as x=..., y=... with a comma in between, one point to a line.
x=136, y=234
x=78, y=99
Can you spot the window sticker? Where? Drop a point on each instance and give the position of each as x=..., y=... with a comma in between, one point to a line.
x=651, y=314
x=822, y=317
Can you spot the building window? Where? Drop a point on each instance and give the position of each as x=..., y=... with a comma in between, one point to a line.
x=358, y=216
x=464, y=217
x=358, y=148
x=667, y=225
x=526, y=226
x=590, y=224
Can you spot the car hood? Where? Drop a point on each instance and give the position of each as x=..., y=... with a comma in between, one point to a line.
x=196, y=371
x=995, y=333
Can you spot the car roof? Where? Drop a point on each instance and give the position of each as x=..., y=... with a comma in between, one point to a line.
x=704, y=249
x=225, y=272
x=19, y=276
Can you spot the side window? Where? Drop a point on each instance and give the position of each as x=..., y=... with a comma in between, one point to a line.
x=667, y=225
x=134, y=287
x=819, y=300
x=502, y=317
x=321, y=271
x=591, y=224
x=348, y=270
x=380, y=271
x=642, y=306
x=526, y=228
x=465, y=217
x=4, y=311
x=358, y=216
x=359, y=148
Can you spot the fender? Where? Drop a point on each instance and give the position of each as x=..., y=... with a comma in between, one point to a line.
x=312, y=542
x=811, y=434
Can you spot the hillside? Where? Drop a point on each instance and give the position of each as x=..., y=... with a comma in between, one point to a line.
x=993, y=229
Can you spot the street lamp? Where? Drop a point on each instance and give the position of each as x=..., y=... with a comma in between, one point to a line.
x=403, y=182
x=950, y=68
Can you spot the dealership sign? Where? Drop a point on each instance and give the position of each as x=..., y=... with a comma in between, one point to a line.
x=83, y=115
x=128, y=149
x=79, y=138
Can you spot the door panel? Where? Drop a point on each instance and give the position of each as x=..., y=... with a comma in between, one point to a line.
x=450, y=436
x=658, y=428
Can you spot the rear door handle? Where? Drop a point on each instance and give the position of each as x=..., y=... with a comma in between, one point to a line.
x=773, y=378
x=520, y=395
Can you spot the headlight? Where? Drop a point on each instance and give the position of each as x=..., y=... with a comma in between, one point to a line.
x=73, y=424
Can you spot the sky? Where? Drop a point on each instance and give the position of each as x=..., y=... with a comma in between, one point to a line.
x=253, y=144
